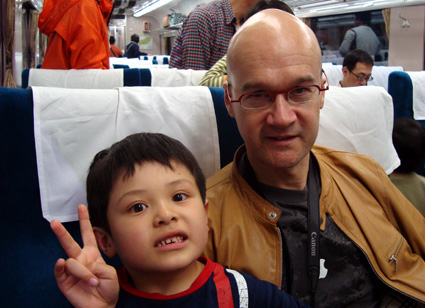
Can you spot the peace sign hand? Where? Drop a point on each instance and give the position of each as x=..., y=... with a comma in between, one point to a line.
x=84, y=278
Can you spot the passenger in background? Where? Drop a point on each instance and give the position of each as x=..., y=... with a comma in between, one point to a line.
x=325, y=225
x=409, y=142
x=132, y=50
x=206, y=33
x=361, y=37
x=78, y=33
x=217, y=74
x=114, y=51
x=356, y=69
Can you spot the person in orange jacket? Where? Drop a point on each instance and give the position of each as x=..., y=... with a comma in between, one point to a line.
x=78, y=33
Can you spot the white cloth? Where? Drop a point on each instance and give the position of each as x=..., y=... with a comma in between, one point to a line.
x=380, y=75
x=77, y=79
x=359, y=119
x=176, y=77
x=418, y=82
x=334, y=73
x=71, y=126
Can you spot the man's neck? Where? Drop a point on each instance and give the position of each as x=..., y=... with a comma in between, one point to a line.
x=294, y=178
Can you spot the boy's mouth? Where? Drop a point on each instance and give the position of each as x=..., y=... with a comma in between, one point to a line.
x=171, y=240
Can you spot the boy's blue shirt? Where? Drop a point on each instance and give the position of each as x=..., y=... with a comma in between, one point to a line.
x=215, y=284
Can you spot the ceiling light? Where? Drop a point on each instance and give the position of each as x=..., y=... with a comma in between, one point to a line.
x=149, y=7
x=317, y=4
x=336, y=6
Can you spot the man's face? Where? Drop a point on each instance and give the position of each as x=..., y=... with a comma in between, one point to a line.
x=281, y=135
x=361, y=70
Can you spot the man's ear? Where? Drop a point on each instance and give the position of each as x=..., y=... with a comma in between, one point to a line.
x=104, y=242
x=345, y=71
x=227, y=99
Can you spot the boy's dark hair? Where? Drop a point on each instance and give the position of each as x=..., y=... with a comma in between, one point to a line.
x=357, y=55
x=267, y=4
x=409, y=142
x=135, y=38
x=111, y=40
x=120, y=160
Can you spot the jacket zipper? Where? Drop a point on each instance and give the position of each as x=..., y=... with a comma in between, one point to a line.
x=281, y=254
x=393, y=258
x=373, y=270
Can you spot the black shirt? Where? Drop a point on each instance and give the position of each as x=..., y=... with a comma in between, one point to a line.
x=346, y=280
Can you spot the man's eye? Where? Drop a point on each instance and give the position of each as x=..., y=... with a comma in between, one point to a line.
x=139, y=207
x=179, y=197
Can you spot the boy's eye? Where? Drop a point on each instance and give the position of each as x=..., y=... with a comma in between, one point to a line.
x=179, y=197
x=139, y=207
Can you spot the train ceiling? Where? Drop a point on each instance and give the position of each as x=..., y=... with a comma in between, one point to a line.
x=302, y=8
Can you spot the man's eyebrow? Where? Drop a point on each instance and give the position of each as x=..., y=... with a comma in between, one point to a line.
x=258, y=85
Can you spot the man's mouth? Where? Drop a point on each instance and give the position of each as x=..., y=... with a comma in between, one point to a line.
x=171, y=240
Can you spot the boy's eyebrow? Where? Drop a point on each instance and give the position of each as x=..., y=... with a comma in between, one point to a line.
x=139, y=191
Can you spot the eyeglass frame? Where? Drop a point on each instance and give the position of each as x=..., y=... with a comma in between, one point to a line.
x=273, y=94
x=360, y=78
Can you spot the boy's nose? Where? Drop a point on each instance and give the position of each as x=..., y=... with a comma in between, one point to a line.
x=164, y=215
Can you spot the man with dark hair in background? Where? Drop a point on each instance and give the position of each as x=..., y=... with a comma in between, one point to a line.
x=132, y=50
x=361, y=36
x=356, y=68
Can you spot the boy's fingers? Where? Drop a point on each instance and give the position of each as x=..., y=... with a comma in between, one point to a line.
x=86, y=229
x=81, y=272
x=70, y=246
x=59, y=271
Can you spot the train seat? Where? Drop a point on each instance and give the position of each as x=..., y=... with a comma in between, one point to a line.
x=408, y=92
x=30, y=247
x=109, y=79
x=380, y=74
x=82, y=79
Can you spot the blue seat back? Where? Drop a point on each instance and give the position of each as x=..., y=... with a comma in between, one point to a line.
x=30, y=249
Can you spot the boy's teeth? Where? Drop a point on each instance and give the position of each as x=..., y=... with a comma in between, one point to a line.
x=175, y=239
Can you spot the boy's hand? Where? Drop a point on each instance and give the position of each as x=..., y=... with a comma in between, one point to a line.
x=85, y=279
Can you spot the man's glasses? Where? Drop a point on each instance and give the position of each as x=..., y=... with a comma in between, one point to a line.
x=263, y=99
x=361, y=78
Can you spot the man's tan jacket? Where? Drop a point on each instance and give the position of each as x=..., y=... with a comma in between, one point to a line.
x=356, y=193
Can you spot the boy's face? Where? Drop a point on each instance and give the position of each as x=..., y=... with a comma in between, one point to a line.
x=158, y=220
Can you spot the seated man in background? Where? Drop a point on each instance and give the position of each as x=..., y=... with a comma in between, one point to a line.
x=327, y=226
x=409, y=142
x=132, y=50
x=78, y=33
x=356, y=68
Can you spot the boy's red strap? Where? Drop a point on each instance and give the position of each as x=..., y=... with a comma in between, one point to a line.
x=224, y=291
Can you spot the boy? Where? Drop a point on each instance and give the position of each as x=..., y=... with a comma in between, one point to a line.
x=146, y=198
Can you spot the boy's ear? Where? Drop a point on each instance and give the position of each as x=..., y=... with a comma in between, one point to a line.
x=104, y=242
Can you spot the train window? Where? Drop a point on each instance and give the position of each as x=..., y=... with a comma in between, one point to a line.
x=330, y=31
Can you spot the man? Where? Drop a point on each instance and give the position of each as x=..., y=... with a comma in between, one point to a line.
x=132, y=50
x=78, y=33
x=361, y=36
x=356, y=69
x=206, y=33
x=327, y=226
x=114, y=50
x=409, y=142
